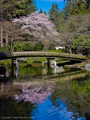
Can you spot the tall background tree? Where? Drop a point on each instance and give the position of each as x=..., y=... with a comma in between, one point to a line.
x=10, y=9
x=73, y=24
x=17, y=8
x=54, y=12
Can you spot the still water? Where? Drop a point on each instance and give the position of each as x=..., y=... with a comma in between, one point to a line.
x=35, y=92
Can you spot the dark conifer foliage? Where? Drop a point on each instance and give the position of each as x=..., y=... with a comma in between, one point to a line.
x=16, y=8
x=54, y=12
x=40, y=11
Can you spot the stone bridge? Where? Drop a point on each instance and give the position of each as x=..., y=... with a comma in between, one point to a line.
x=48, y=55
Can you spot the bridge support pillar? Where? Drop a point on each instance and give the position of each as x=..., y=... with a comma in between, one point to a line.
x=51, y=61
x=48, y=63
x=54, y=62
x=12, y=66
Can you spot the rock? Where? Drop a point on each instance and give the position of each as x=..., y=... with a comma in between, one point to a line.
x=88, y=61
x=58, y=69
x=87, y=67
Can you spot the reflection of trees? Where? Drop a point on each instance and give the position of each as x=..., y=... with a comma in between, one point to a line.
x=29, y=70
x=11, y=108
x=8, y=90
x=72, y=87
x=76, y=93
x=34, y=94
x=4, y=72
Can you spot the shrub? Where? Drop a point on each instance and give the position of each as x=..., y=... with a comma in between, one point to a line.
x=20, y=46
x=51, y=47
x=81, y=44
x=28, y=47
x=38, y=46
x=5, y=49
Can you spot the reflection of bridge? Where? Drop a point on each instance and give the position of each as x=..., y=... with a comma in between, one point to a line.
x=48, y=55
x=65, y=76
x=6, y=89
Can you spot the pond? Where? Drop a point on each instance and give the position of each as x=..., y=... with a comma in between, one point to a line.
x=35, y=92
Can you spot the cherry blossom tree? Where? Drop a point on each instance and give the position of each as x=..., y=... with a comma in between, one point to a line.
x=38, y=25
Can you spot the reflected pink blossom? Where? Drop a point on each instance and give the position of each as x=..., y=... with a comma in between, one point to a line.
x=34, y=95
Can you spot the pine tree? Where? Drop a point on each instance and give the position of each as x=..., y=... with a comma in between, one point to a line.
x=78, y=7
x=54, y=12
x=60, y=21
x=88, y=5
x=40, y=11
x=45, y=12
x=67, y=9
x=17, y=8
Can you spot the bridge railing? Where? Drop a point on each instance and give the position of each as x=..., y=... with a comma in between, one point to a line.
x=41, y=54
x=49, y=54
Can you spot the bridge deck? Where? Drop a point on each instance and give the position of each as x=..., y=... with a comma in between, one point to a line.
x=41, y=54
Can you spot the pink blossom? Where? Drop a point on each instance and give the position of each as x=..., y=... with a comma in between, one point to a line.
x=34, y=95
x=37, y=23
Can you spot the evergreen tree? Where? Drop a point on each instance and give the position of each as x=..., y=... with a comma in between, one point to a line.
x=60, y=21
x=75, y=7
x=78, y=7
x=45, y=12
x=40, y=11
x=88, y=5
x=16, y=8
x=54, y=12
x=28, y=6
x=67, y=9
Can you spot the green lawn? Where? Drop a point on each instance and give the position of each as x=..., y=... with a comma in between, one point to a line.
x=54, y=51
x=5, y=62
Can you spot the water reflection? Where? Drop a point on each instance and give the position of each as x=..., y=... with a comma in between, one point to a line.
x=37, y=70
x=4, y=73
x=59, y=111
x=24, y=69
x=17, y=65
x=60, y=94
x=43, y=63
x=38, y=94
x=58, y=69
x=17, y=72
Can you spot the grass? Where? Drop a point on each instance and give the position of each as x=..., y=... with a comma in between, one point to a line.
x=62, y=61
x=5, y=62
x=32, y=59
x=21, y=63
x=28, y=61
x=60, y=51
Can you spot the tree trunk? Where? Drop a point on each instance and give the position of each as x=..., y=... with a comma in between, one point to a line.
x=70, y=50
x=6, y=39
x=12, y=44
x=1, y=36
